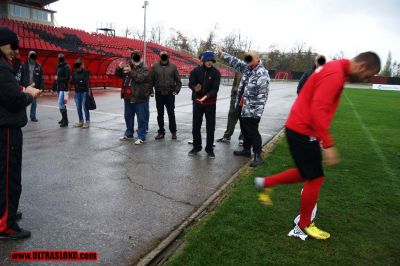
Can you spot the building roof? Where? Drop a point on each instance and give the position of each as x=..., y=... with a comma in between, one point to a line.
x=41, y=3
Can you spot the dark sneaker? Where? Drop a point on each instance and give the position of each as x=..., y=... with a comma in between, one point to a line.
x=174, y=136
x=15, y=234
x=194, y=151
x=34, y=120
x=244, y=153
x=224, y=140
x=211, y=154
x=159, y=136
x=257, y=160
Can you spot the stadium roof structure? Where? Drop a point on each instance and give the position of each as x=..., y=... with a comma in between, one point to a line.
x=41, y=3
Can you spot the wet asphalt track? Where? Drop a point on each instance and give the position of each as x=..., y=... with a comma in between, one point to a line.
x=85, y=190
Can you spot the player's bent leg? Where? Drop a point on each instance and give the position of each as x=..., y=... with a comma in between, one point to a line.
x=264, y=184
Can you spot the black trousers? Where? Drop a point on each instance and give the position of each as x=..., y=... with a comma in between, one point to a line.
x=169, y=102
x=198, y=111
x=10, y=176
x=251, y=135
x=306, y=153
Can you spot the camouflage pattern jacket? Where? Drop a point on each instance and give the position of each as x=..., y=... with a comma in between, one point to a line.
x=253, y=87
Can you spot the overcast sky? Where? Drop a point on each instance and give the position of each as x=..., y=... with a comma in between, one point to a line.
x=329, y=26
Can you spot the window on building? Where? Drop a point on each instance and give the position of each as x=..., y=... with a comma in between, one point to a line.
x=19, y=11
x=40, y=15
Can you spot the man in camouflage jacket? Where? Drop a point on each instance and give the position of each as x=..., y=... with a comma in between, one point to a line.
x=251, y=99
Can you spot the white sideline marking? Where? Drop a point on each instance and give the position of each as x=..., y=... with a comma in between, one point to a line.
x=71, y=108
x=372, y=140
x=121, y=115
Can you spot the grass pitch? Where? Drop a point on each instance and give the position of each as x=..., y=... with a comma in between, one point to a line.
x=359, y=201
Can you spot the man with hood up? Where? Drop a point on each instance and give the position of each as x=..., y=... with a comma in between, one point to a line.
x=32, y=72
x=13, y=103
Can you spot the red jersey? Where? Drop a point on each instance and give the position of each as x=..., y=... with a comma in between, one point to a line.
x=313, y=111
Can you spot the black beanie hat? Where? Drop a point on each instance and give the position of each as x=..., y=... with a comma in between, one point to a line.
x=7, y=36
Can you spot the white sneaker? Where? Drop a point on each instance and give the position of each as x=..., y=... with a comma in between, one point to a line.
x=259, y=182
x=80, y=124
x=86, y=124
x=139, y=142
x=190, y=141
x=297, y=232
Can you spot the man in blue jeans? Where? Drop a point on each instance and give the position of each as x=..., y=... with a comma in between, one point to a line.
x=32, y=72
x=80, y=79
x=136, y=89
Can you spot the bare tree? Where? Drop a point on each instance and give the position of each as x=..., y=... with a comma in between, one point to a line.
x=156, y=34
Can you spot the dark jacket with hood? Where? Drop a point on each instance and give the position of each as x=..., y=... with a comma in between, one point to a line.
x=37, y=75
x=165, y=78
x=209, y=79
x=13, y=102
x=80, y=79
x=63, y=76
x=304, y=78
x=136, y=85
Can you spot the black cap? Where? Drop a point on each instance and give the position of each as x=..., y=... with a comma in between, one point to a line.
x=7, y=36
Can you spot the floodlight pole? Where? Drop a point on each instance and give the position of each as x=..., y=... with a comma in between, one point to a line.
x=146, y=3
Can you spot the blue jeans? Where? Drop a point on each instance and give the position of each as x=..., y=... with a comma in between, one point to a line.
x=33, y=109
x=148, y=112
x=60, y=100
x=138, y=109
x=80, y=101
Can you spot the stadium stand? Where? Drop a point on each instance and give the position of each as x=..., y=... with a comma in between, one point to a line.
x=101, y=53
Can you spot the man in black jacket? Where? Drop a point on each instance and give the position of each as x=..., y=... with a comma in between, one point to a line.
x=204, y=82
x=31, y=72
x=62, y=82
x=319, y=61
x=13, y=104
x=167, y=84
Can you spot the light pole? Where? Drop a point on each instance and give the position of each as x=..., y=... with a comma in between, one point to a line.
x=146, y=3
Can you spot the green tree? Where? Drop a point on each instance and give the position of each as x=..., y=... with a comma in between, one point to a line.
x=387, y=69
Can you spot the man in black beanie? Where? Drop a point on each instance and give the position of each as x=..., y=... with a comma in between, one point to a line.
x=13, y=103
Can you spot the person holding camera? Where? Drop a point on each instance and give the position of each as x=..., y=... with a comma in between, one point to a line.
x=135, y=91
x=204, y=82
x=167, y=84
x=32, y=72
x=62, y=83
x=80, y=79
x=250, y=101
x=13, y=103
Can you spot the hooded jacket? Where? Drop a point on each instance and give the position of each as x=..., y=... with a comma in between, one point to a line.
x=165, y=78
x=63, y=76
x=13, y=102
x=136, y=85
x=253, y=88
x=37, y=75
